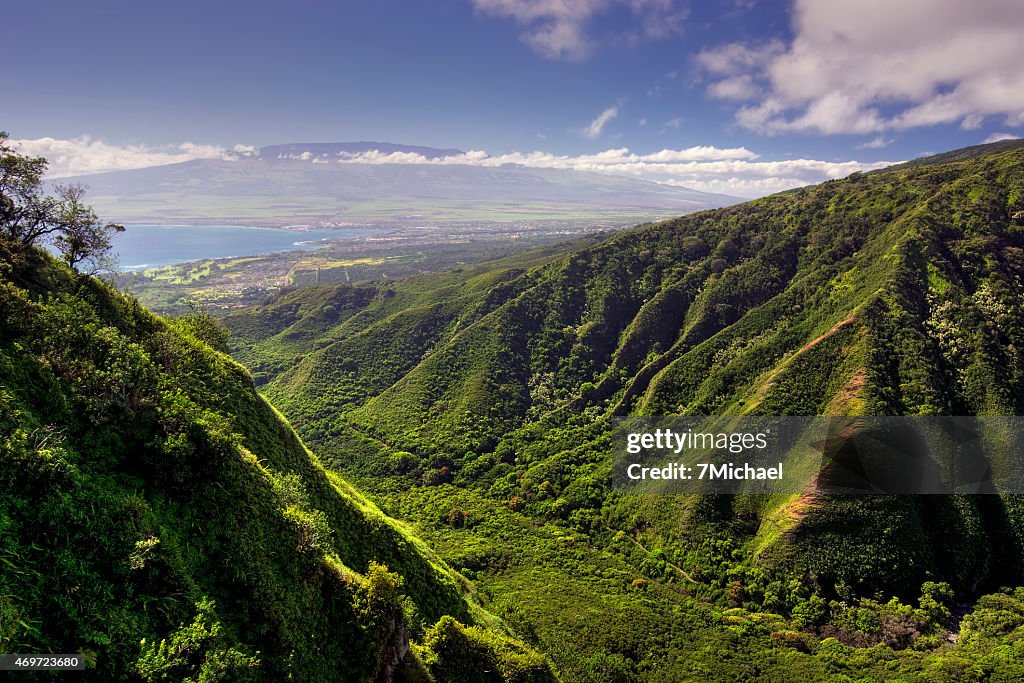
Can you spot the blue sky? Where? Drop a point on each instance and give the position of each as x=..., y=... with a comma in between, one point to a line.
x=112, y=85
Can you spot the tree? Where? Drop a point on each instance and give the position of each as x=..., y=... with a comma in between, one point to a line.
x=82, y=237
x=29, y=217
x=204, y=327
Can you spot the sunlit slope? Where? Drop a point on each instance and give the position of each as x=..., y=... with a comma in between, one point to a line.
x=160, y=517
x=896, y=292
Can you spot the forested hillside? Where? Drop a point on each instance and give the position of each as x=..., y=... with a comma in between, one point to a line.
x=475, y=405
x=160, y=517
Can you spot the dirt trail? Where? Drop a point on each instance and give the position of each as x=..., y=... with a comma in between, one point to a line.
x=679, y=569
x=770, y=382
x=838, y=326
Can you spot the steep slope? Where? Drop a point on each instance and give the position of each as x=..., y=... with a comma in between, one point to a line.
x=890, y=293
x=160, y=517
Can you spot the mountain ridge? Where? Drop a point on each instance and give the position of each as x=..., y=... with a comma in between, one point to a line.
x=165, y=522
x=887, y=293
x=334, y=149
x=962, y=154
x=281, y=192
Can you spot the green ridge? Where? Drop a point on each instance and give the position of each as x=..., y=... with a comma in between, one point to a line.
x=161, y=518
x=451, y=397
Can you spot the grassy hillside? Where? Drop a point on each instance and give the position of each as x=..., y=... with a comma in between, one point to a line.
x=466, y=400
x=163, y=519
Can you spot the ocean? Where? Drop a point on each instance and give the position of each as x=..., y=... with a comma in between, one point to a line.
x=150, y=246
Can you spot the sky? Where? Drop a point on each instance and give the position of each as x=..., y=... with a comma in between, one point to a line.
x=744, y=97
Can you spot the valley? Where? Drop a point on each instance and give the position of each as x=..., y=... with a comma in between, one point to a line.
x=512, y=341
x=474, y=405
x=454, y=517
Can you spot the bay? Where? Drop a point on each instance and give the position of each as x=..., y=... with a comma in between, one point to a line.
x=151, y=246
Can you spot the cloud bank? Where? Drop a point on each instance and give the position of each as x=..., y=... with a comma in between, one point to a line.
x=84, y=155
x=875, y=65
x=734, y=170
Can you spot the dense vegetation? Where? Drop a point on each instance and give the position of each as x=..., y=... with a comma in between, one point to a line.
x=160, y=517
x=475, y=406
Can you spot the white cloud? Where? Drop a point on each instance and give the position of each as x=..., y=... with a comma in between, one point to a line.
x=559, y=29
x=877, y=65
x=737, y=69
x=84, y=155
x=740, y=88
x=733, y=59
x=972, y=122
x=375, y=156
x=735, y=171
x=593, y=131
x=999, y=137
x=877, y=142
x=672, y=124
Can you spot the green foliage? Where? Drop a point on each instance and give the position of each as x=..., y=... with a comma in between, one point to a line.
x=203, y=327
x=467, y=654
x=378, y=601
x=29, y=217
x=195, y=654
x=476, y=408
x=936, y=599
x=162, y=519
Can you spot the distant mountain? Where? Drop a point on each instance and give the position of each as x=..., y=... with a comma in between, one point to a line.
x=305, y=184
x=335, y=149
